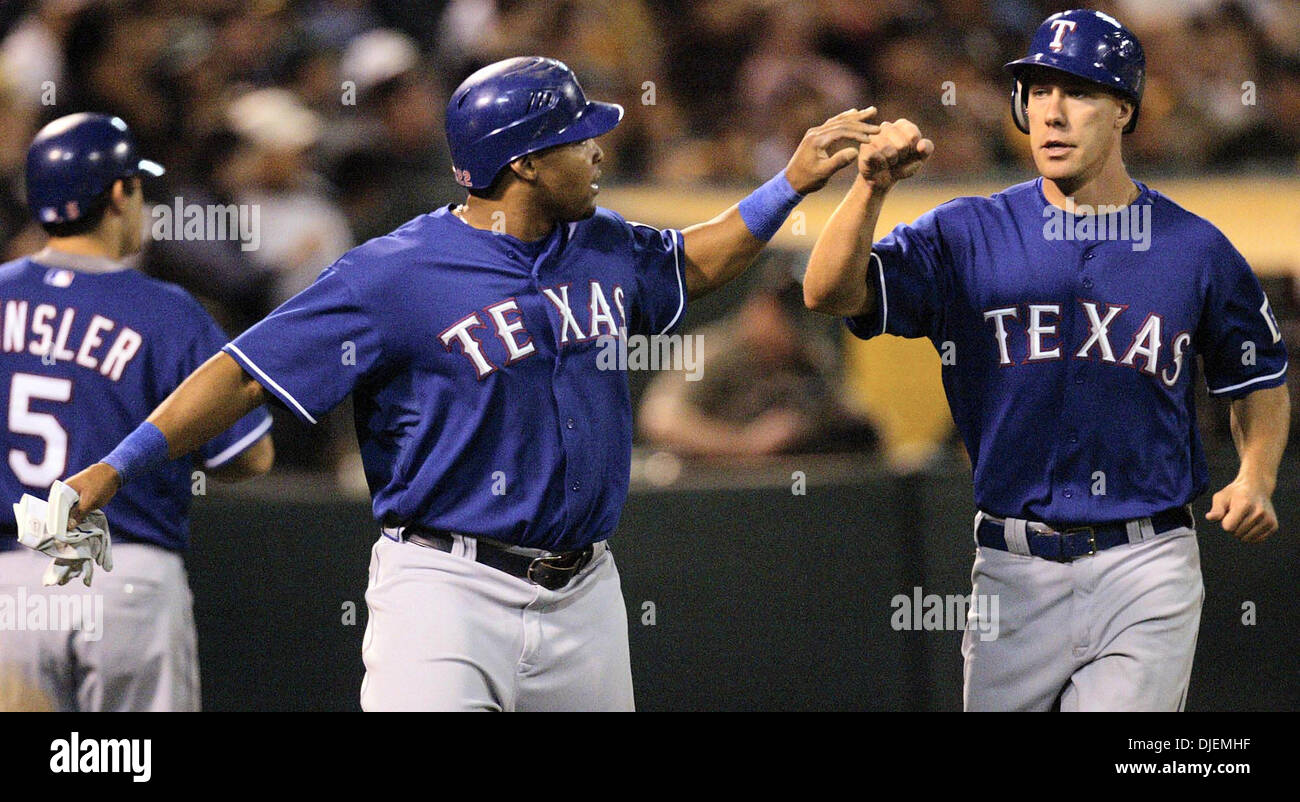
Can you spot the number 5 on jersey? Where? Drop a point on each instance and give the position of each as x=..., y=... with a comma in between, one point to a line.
x=25, y=388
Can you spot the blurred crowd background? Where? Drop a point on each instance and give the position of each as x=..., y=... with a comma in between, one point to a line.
x=327, y=114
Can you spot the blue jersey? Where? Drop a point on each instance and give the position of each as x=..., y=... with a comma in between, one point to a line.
x=90, y=348
x=1068, y=359
x=481, y=403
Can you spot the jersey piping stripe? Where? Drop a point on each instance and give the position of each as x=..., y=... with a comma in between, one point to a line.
x=884, y=296
x=244, y=442
x=280, y=391
x=1249, y=382
x=681, y=292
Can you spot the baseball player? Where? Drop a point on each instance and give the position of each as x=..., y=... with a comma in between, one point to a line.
x=90, y=346
x=1071, y=379
x=495, y=441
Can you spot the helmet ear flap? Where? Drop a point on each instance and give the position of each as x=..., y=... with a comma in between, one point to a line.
x=1018, y=101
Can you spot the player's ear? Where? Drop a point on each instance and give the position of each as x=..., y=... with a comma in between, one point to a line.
x=1124, y=113
x=122, y=191
x=525, y=167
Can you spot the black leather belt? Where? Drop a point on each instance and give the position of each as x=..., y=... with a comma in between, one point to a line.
x=552, y=571
x=1068, y=543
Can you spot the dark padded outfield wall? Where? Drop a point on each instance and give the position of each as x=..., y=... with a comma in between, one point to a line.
x=740, y=597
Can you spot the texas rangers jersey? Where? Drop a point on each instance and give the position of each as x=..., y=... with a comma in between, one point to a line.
x=1068, y=358
x=90, y=348
x=480, y=400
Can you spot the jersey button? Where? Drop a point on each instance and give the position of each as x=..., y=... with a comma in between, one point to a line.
x=569, y=423
x=1068, y=494
x=1087, y=283
x=576, y=486
x=1089, y=255
x=1074, y=438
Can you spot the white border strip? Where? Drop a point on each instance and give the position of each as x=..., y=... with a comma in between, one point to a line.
x=681, y=289
x=270, y=381
x=1249, y=382
x=884, y=295
x=243, y=443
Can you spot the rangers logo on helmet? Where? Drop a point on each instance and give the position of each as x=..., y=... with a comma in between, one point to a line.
x=1062, y=27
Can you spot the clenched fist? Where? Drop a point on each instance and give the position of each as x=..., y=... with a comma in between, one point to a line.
x=895, y=153
x=1245, y=509
x=95, y=487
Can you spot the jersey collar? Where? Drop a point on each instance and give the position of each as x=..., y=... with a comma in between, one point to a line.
x=50, y=257
x=528, y=255
x=1144, y=194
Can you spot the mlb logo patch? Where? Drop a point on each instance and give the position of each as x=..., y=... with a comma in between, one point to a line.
x=57, y=277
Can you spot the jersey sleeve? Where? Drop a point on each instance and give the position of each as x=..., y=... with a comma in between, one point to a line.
x=1238, y=336
x=313, y=350
x=905, y=271
x=207, y=340
x=661, y=280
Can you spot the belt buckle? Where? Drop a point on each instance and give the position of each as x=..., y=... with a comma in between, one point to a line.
x=544, y=562
x=581, y=559
x=1092, y=540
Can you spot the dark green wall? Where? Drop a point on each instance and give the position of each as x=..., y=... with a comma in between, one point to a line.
x=762, y=600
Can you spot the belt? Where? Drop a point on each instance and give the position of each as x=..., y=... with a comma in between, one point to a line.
x=552, y=571
x=1069, y=543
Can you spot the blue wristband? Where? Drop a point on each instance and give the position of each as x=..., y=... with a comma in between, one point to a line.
x=140, y=453
x=766, y=209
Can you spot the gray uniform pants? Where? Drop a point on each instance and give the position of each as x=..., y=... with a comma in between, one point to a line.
x=448, y=633
x=126, y=643
x=1113, y=631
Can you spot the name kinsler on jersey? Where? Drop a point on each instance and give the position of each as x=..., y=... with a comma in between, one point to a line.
x=100, y=349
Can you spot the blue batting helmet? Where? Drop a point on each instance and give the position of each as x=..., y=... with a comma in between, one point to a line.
x=1089, y=44
x=515, y=107
x=74, y=160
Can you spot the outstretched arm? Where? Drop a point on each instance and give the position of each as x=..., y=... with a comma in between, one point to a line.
x=210, y=401
x=722, y=248
x=1260, y=423
x=836, y=280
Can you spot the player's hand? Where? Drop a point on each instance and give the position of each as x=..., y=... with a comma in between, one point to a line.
x=1245, y=509
x=828, y=148
x=96, y=486
x=894, y=154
